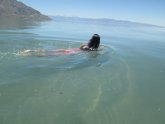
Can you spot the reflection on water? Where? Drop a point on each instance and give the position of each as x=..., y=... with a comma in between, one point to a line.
x=122, y=83
x=16, y=23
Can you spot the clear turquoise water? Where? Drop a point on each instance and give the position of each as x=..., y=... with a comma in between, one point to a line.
x=124, y=83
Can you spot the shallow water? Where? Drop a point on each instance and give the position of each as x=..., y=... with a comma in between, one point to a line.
x=122, y=83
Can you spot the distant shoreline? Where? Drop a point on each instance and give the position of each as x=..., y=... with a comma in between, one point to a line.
x=103, y=21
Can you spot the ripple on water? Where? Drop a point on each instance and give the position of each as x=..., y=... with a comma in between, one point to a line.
x=107, y=90
x=47, y=58
x=89, y=85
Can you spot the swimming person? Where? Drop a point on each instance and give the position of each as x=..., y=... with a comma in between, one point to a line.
x=92, y=45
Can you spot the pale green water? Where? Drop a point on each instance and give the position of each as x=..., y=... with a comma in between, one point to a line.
x=122, y=84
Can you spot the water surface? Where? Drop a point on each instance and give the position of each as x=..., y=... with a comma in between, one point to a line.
x=123, y=83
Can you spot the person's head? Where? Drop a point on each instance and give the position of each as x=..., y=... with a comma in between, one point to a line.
x=94, y=42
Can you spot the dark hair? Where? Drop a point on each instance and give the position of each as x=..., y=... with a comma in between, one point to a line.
x=94, y=42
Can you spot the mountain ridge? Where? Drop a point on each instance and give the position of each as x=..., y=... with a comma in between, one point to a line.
x=104, y=21
x=13, y=9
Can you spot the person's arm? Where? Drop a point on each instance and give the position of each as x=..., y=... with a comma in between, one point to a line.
x=82, y=46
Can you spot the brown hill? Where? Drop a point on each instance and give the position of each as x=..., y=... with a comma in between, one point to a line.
x=13, y=9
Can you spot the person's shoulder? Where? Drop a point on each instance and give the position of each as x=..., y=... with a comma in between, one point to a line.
x=84, y=47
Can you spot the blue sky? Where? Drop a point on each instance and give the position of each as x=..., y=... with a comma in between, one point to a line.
x=147, y=11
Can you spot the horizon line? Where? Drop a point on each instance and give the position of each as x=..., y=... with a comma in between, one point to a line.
x=105, y=18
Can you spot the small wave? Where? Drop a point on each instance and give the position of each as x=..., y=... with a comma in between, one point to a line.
x=89, y=59
x=59, y=60
x=5, y=54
